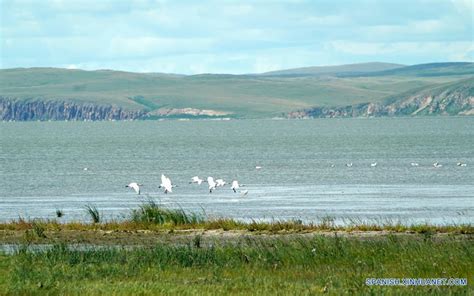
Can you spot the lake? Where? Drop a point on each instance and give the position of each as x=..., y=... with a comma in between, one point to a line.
x=303, y=175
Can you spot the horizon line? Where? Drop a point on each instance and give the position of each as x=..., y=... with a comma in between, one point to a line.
x=241, y=74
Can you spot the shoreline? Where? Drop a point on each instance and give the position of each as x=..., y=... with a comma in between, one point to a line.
x=149, y=237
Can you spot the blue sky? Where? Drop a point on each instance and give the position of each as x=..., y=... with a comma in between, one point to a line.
x=231, y=36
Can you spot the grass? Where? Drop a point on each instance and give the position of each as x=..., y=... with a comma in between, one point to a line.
x=184, y=255
x=59, y=213
x=244, y=95
x=153, y=217
x=152, y=213
x=93, y=213
x=38, y=229
x=249, y=266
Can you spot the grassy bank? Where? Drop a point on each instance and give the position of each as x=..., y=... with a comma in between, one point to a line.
x=159, y=250
x=150, y=216
x=151, y=223
x=250, y=265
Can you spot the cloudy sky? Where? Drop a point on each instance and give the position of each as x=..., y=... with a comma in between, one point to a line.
x=231, y=36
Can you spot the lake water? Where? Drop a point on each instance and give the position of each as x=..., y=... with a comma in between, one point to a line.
x=42, y=168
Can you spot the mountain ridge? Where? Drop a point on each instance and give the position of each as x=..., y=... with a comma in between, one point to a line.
x=448, y=99
x=158, y=95
x=337, y=69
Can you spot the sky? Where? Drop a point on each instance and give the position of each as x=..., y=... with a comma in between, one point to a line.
x=236, y=37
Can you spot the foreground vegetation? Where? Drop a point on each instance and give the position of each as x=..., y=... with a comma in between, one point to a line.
x=151, y=223
x=151, y=216
x=169, y=251
x=250, y=265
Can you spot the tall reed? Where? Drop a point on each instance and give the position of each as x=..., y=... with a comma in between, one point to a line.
x=93, y=213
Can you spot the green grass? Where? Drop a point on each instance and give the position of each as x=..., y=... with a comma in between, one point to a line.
x=93, y=212
x=353, y=69
x=246, y=96
x=287, y=257
x=152, y=213
x=38, y=229
x=154, y=217
x=248, y=266
x=59, y=213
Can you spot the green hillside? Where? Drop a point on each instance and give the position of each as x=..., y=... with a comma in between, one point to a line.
x=336, y=70
x=433, y=69
x=246, y=96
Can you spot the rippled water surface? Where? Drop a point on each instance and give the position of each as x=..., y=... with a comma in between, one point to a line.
x=42, y=167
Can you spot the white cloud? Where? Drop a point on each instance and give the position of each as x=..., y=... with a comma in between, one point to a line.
x=230, y=36
x=146, y=46
x=325, y=20
x=425, y=26
x=265, y=64
x=448, y=49
x=464, y=6
x=72, y=66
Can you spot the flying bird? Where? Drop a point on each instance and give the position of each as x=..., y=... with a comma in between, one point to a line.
x=437, y=165
x=374, y=164
x=414, y=164
x=461, y=164
x=349, y=165
x=212, y=184
x=235, y=185
x=135, y=186
x=166, y=184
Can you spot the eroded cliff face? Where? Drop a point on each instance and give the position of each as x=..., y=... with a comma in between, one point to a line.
x=20, y=110
x=458, y=102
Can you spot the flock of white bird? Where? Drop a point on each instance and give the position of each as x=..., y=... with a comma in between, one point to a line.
x=168, y=186
x=413, y=164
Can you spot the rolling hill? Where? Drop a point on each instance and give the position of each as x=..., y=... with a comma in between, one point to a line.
x=455, y=98
x=58, y=94
x=432, y=69
x=341, y=70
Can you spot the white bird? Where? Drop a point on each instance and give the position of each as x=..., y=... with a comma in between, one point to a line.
x=220, y=183
x=374, y=164
x=135, y=186
x=244, y=193
x=196, y=179
x=85, y=169
x=461, y=164
x=414, y=164
x=437, y=165
x=166, y=184
x=258, y=167
x=333, y=165
x=212, y=184
x=349, y=165
x=235, y=185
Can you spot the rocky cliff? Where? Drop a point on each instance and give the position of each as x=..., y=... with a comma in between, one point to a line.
x=450, y=99
x=40, y=109
x=37, y=109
